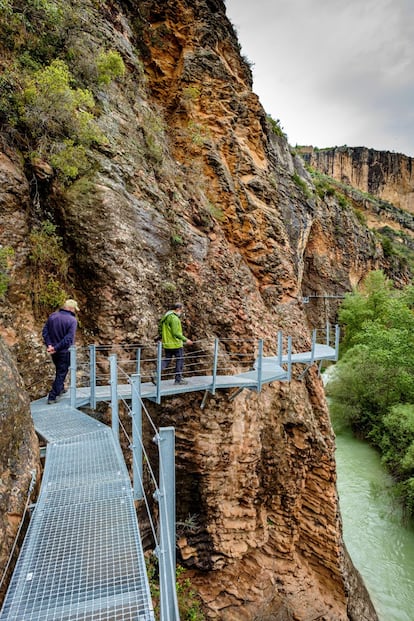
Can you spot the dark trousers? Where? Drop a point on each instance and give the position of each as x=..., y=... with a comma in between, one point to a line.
x=178, y=354
x=61, y=360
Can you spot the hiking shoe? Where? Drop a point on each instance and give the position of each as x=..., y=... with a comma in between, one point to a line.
x=63, y=392
x=180, y=382
x=51, y=401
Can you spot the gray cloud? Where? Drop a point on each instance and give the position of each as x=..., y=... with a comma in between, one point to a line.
x=333, y=72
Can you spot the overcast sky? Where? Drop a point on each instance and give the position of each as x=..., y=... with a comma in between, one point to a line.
x=334, y=72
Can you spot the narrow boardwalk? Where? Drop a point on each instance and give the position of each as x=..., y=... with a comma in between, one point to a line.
x=265, y=371
x=82, y=557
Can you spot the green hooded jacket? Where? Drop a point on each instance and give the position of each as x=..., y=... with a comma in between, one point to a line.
x=171, y=331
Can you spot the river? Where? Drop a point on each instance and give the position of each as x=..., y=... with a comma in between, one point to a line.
x=381, y=547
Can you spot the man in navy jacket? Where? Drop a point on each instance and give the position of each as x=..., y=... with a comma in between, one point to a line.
x=59, y=335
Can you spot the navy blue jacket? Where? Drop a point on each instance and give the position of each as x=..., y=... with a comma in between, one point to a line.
x=59, y=330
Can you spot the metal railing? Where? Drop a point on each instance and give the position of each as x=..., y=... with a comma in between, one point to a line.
x=164, y=494
x=91, y=366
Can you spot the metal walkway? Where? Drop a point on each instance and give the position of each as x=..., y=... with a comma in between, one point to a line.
x=82, y=557
x=263, y=370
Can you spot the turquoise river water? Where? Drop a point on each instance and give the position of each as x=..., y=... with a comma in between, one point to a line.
x=381, y=547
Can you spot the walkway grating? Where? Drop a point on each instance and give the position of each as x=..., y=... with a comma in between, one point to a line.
x=82, y=557
x=60, y=421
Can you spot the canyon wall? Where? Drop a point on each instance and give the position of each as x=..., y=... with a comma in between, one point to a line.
x=19, y=460
x=389, y=176
x=194, y=198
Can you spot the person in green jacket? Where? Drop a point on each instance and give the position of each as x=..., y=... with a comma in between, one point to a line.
x=171, y=333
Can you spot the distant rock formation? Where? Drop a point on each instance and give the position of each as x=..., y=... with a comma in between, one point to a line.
x=387, y=175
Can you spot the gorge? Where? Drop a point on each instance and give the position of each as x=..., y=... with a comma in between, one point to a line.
x=186, y=193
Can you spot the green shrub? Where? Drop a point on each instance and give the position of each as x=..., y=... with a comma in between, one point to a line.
x=275, y=126
x=50, y=268
x=324, y=185
x=51, y=295
x=168, y=286
x=360, y=216
x=342, y=200
x=59, y=118
x=109, y=66
x=176, y=240
x=405, y=492
x=46, y=249
x=397, y=441
x=189, y=603
x=301, y=184
x=70, y=159
x=198, y=133
x=39, y=97
x=10, y=83
x=190, y=93
x=6, y=8
x=216, y=212
x=6, y=252
x=50, y=107
x=34, y=26
x=387, y=246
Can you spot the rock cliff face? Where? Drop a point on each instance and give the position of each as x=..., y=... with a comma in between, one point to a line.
x=19, y=462
x=389, y=176
x=194, y=198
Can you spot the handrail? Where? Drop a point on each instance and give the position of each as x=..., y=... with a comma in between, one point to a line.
x=219, y=361
x=72, y=390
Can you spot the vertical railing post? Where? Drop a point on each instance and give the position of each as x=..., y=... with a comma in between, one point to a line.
x=337, y=334
x=328, y=333
x=289, y=359
x=166, y=447
x=114, y=395
x=92, y=376
x=136, y=408
x=138, y=361
x=312, y=358
x=279, y=347
x=158, y=375
x=73, y=364
x=215, y=361
x=260, y=365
